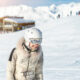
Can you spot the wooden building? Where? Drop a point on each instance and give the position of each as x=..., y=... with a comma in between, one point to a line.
x=15, y=23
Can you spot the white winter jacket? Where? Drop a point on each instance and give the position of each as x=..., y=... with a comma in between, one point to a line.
x=24, y=64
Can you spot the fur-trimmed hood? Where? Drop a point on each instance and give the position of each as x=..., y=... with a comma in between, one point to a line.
x=21, y=47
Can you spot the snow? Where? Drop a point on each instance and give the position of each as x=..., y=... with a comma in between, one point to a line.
x=9, y=26
x=61, y=47
x=18, y=20
x=61, y=41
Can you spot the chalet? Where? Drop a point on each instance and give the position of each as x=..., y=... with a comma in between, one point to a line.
x=79, y=13
x=15, y=23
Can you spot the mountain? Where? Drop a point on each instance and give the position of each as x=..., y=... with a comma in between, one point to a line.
x=45, y=12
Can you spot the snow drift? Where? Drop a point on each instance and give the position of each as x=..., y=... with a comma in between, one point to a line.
x=61, y=43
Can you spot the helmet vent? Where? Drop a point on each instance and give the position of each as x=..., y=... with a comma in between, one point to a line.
x=28, y=30
x=31, y=32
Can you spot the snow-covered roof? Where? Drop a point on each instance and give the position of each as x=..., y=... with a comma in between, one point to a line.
x=18, y=20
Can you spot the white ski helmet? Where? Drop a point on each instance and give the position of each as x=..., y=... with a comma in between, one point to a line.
x=32, y=33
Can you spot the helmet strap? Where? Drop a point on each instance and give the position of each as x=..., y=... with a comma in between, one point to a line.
x=26, y=47
x=29, y=49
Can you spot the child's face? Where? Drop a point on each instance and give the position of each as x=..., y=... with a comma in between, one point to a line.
x=34, y=46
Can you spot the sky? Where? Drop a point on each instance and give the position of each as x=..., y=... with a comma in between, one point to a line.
x=34, y=3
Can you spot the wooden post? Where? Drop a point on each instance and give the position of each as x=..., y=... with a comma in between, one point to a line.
x=12, y=27
x=3, y=25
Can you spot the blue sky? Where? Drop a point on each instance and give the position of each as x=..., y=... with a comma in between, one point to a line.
x=34, y=3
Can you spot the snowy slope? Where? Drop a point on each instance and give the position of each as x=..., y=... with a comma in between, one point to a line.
x=61, y=47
